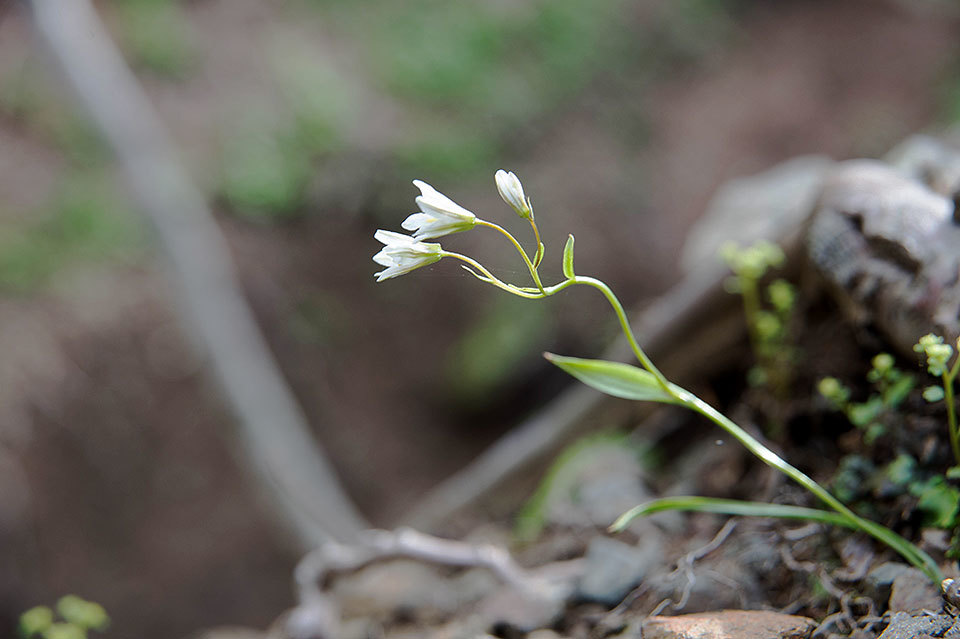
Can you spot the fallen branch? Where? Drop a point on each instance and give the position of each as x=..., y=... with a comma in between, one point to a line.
x=282, y=455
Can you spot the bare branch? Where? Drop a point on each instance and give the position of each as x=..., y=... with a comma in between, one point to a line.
x=283, y=456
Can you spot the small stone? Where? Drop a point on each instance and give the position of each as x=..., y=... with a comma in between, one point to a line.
x=729, y=624
x=513, y=610
x=903, y=626
x=879, y=581
x=913, y=592
x=231, y=632
x=613, y=568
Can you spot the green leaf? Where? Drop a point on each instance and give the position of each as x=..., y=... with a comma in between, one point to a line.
x=861, y=415
x=568, y=258
x=36, y=621
x=933, y=393
x=730, y=507
x=614, y=378
x=82, y=613
x=901, y=470
x=938, y=501
x=894, y=395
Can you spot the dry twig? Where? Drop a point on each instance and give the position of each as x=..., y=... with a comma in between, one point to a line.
x=287, y=462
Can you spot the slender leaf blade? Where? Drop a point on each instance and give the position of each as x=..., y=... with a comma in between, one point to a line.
x=730, y=507
x=568, y=258
x=614, y=378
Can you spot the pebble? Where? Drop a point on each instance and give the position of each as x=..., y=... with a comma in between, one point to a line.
x=879, y=581
x=729, y=624
x=904, y=626
x=613, y=568
x=913, y=592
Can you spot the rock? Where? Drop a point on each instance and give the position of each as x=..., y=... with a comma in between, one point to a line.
x=729, y=624
x=887, y=246
x=913, y=592
x=231, y=632
x=771, y=205
x=382, y=590
x=879, y=581
x=613, y=568
x=905, y=626
x=598, y=481
x=511, y=611
x=926, y=159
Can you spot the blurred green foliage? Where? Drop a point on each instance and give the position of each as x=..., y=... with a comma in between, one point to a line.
x=78, y=618
x=264, y=170
x=156, y=36
x=494, y=348
x=87, y=219
x=27, y=98
x=562, y=479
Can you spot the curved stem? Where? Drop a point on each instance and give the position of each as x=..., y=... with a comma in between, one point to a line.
x=951, y=411
x=523, y=254
x=536, y=235
x=493, y=279
x=909, y=551
x=624, y=325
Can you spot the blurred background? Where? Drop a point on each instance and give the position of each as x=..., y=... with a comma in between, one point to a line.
x=304, y=122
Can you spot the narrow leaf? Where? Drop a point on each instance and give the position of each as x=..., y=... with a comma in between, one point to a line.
x=568, y=258
x=614, y=378
x=730, y=507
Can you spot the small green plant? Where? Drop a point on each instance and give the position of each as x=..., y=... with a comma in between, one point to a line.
x=938, y=357
x=440, y=216
x=74, y=618
x=768, y=321
x=892, y=387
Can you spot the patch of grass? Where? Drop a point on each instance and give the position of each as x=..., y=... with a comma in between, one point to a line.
x=487, y=58
x=316, y=94
x=449, y=155
x=27, y=98
x=264, y=172
x=87, y=219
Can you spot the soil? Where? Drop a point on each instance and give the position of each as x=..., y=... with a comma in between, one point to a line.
x=117, y=477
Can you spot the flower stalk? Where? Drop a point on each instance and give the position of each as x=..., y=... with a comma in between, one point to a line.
x=440, y=215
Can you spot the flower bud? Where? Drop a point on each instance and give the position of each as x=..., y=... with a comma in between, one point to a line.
x=512, y=193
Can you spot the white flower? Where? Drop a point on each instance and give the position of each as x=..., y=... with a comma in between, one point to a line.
x=512, y=193
x=403, y=254
x=439, y=215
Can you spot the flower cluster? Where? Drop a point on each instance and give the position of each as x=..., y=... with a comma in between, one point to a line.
x=439, y=216
x=402, y=254
x=938, y=353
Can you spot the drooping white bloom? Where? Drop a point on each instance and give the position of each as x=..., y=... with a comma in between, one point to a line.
x=439, y=215
x=512, y=193
x=403, y=254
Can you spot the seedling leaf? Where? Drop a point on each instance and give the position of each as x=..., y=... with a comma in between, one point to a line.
x=568, y=258
x=614, y=378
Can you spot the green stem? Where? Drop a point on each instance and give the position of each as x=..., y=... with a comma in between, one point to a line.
x=751, y=309
x=906, y=549
x=732, y=507
x=624, y=324
x=536, y=235
x=493, y=279
x=523, y=254
x=951, y=410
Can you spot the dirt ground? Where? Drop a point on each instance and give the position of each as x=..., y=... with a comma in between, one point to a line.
x=117, y=476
